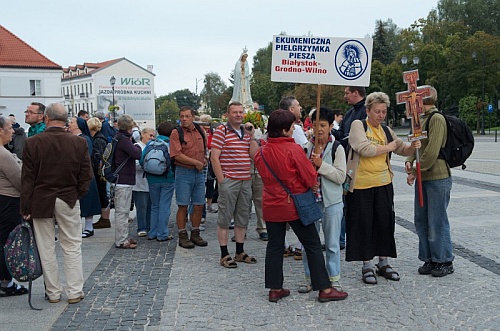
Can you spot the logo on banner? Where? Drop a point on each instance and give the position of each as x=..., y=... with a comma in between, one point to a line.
x=351, y=59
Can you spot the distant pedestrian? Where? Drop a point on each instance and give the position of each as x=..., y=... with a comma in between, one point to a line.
x=126, y=152
x=161, y=191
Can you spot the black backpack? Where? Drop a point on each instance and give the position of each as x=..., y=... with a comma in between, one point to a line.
x=21, y=256
x=109, y=170
x=459, y=141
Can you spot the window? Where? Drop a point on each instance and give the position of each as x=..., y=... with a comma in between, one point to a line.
x=87, y=88
x=35, y=87
x=90, y=88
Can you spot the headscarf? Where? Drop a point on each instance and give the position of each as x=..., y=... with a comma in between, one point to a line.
x=82, y=125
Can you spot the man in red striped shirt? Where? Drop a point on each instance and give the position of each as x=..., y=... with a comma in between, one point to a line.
x=231, y=144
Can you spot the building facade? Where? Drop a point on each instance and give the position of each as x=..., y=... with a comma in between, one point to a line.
x=120, y=82
x=26, y=76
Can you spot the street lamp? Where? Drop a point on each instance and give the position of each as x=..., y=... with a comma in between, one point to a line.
x=112, y=81
x=197, y=80
x=474, y=55
x=404, y=60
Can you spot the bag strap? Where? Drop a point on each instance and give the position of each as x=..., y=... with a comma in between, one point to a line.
x=121, y=166
x=274, y=175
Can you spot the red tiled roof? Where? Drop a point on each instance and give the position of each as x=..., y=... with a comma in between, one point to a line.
x=16, y=53
x=90, y=65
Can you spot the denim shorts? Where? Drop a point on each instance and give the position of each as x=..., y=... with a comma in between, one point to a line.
x=189, y=186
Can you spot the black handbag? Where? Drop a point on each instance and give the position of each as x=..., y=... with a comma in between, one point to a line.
x=308, y=209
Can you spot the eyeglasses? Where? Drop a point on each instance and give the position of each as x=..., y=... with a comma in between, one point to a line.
x=30, y=112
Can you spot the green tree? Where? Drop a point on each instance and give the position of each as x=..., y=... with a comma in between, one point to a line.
x=479, y=15
x=167, y=111
x=382, y=51
x=211, y=94
x=186, y=98
x=468, y=108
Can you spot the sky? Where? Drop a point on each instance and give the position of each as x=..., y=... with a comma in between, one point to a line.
x=185, y=39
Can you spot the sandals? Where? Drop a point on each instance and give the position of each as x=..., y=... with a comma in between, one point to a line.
x=128, y=244
x=387, y=272
x=369, y=276
x=87, y=233
x=305, y=288
x=15, y=289
x=228, y=262
x=297, y=254
x=243, y=257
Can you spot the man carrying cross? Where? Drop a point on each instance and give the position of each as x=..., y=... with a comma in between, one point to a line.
x=431, y=220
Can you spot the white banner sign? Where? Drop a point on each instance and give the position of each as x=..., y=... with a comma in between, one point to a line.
x=322, y=60
x=133, y=95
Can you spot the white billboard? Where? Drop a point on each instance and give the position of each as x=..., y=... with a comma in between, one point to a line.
x=322, y=60
x=133, y=95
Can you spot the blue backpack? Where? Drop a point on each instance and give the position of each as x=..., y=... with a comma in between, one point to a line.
x=156, y=160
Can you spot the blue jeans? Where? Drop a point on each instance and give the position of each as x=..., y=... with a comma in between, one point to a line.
x=342, y=227
x=161, y=199
x=431, y=222
x=143, y=210
x=332, y=217
x=189, y=186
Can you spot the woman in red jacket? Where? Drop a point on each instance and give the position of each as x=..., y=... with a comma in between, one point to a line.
x=289, y=163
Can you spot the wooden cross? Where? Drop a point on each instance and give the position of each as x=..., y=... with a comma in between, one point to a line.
x=414, y=102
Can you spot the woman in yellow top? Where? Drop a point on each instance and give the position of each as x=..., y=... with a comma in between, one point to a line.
x=370, y=219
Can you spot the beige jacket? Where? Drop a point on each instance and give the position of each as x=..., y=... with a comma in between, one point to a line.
x=362, y=147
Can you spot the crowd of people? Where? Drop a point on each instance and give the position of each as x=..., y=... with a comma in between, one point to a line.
x=344, y=160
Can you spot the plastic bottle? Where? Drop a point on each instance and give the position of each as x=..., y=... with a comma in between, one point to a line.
x=347, y=183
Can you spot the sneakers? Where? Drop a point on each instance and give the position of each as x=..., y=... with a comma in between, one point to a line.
x=231, y=225
x=103, y=223
x=442, y=269
x=14, y=289
x=211, y=209
x=197, y=239
x=142, y=233
x=184, y=241
x=427, y=268
x=202, y=224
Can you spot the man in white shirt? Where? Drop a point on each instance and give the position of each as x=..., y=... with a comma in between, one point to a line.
x=292, y=104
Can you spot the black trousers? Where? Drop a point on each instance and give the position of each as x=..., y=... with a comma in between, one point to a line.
x=10, y=217
x=308, y=236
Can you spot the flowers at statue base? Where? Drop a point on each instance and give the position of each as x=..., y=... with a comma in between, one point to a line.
x=256, y=118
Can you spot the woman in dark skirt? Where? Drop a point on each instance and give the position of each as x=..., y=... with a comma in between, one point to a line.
x=370, y=201
x=89, y=203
